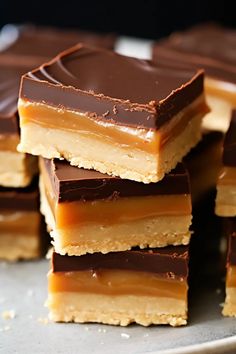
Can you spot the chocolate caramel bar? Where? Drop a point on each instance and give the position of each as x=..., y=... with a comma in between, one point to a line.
x=142, y=286
x=35, y=45
x=118, y=115
x=22, y=234
x=88, y=211
x=230, y=300
x=16, y=169
x=207, y=46
x=226, y=186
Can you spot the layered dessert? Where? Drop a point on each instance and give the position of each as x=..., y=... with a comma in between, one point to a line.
x=142, y=286
x=207, y=46
x=118, y=115
x=88, y=211
x=22, y=231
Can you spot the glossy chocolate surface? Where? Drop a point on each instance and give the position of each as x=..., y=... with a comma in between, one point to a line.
x=72, y=183
x=39, y=44
x=112, y=88
x=206, y=46
x=169, y=262
x=32, y=47
x=10, y=76
x=229, y=152
x=20, y=199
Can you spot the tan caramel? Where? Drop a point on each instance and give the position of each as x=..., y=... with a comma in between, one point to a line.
x=231, y=277
x=227, y=176
x=142, y=139
x=117, y=282
x=26, y=223
x=109, y=212
x=9, y=142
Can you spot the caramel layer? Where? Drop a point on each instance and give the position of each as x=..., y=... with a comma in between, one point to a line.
x=140, y=138
x=117, y=282
x=26, y=223
x=227, y=176
x=9, y=142
x=121, y=210
x=231, y=277
x=223, y=89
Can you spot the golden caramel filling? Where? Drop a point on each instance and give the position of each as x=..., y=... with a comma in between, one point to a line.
x=227, y=176
x=9, y=142
x=117, y=282
x=121, y=210
x=140, y=138
x=231, y=277
x=223, y=89
x=20, y=222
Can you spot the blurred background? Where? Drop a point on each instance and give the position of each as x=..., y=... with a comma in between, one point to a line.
x=146, y=19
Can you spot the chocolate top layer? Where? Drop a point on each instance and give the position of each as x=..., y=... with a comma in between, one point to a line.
x=71, y=183
x=25, y=199
x=9, y=89
x=170, y=262
x=112, y=87
x=39, y=44
x=32, y=47
x=207, y=46
x=229, y=152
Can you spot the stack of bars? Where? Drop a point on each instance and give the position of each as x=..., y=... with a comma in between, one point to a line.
x=120, y=217
x=22, y=231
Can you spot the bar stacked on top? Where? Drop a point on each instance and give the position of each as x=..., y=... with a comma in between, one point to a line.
x=121, y=238
x=198, y=47
x=22, y=234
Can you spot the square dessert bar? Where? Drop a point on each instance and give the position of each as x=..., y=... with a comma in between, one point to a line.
x=22, y=231
x=118, y=115
x=226, y=186
x=36, y=44
x=16, y=169
x=88, y=211
x=230, y=300
x=142, y=286
x=198, y=47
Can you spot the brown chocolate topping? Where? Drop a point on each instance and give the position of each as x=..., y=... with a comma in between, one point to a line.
x=15, y=199
x=35, y=45
x=169, y=262
x=229, y=152
x=207, y=46
x=9, y=89
x=112, y=87
x=72, y=183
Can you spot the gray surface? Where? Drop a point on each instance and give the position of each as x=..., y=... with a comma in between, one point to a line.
x=23, y=289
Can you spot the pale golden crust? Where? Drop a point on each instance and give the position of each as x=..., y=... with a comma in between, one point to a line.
x=119, y=310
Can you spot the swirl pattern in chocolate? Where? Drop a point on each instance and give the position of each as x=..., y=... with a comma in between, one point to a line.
x=208, y=46
x=112, y=87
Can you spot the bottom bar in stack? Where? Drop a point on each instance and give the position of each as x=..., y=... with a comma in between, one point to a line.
x=22, y=231
x=230, y=300
x=142, y=286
